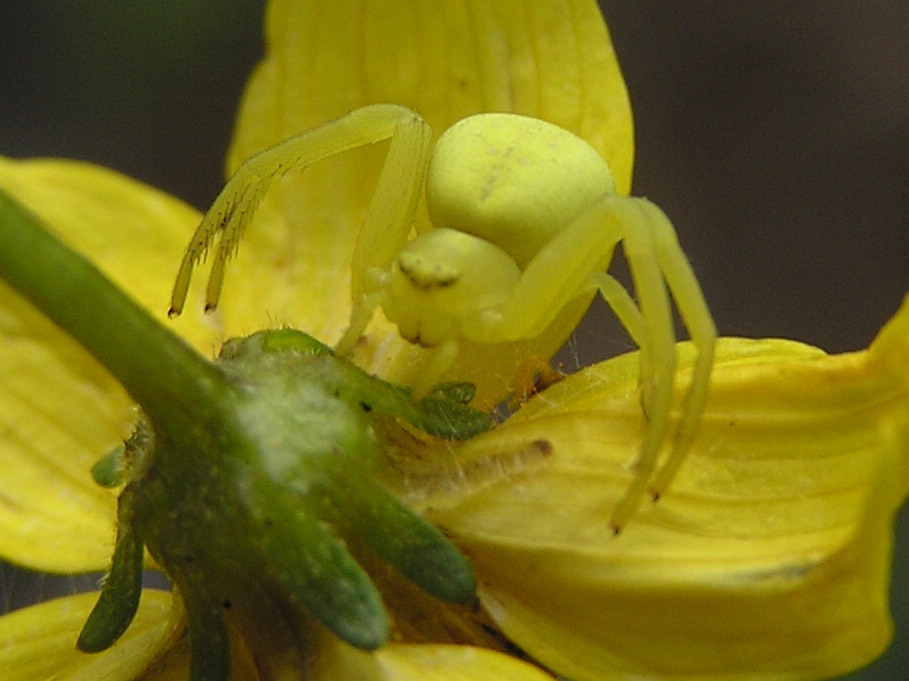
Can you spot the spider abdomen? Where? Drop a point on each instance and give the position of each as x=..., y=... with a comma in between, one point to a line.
x=512, y=180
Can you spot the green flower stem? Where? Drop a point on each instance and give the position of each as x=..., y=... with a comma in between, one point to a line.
x=159, y=370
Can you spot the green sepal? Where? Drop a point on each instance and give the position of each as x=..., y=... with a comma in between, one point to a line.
x=209, y=641
x=317, y=570
x=122, y=586
x=334, y=453
x=404, y=540
x=110, y=470
x=274, y=341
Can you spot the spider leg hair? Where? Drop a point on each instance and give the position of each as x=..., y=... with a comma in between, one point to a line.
x=235, y=205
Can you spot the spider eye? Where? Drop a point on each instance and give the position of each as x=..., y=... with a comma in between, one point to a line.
x=427, y=273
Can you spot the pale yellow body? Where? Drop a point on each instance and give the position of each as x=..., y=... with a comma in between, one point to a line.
x=525, y=221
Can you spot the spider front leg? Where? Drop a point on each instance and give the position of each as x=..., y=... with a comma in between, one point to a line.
x=387, y=224
x=389, y=216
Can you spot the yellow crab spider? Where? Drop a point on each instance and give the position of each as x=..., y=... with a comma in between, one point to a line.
x=525, y=219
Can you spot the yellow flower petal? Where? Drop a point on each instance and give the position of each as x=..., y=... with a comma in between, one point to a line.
x=38, y=643
x=59, y=409
x=418, y=662
x=453, y=663
x=446, y=60
x=768, y=558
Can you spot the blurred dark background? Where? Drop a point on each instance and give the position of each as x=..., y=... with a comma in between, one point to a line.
x=774, y=134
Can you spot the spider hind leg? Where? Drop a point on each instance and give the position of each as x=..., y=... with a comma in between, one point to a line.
x=659, y=267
